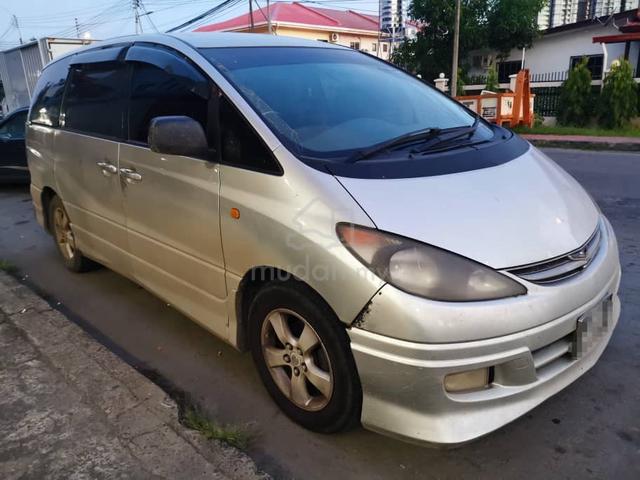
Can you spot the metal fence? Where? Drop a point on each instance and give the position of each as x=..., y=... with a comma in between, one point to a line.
x=546, y=87
x=547, y=101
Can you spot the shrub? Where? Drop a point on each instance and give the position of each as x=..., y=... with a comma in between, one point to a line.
x=462, y=81
x=538, y=120
x=575, y=103
x=619, y=98
x=492, y=80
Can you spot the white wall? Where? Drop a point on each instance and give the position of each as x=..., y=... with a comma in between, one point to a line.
x=552, y=53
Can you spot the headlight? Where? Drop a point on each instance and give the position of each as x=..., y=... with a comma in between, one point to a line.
x=424, y=270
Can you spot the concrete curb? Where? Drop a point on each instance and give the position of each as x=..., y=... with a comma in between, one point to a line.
x=143, y=418
x=595, y=144
x=601, y=146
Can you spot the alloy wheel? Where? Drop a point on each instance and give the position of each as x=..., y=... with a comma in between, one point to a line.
x=63, y=233
x=297, y=359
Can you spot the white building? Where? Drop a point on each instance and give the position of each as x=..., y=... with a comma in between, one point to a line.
x=601, y=40
x=562, y=12
x=394, y=17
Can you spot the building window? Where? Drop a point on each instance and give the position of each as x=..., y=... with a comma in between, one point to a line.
x=594, y=64
x=384, y=47
x=355, y=45
x=374, y=47
x=505, y=69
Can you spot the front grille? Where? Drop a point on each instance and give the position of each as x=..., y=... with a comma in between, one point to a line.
x=562, y=267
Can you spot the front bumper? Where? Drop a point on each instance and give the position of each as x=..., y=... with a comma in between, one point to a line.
x=403, y=380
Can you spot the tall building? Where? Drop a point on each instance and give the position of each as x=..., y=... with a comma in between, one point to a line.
x=562, y=12
x=394, y=16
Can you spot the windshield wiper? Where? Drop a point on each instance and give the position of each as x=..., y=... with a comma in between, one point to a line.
x=411, y=137
x=441, y=140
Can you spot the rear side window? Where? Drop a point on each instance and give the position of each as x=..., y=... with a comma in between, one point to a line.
x=45, y=109
x=95, y=102
x=156, y=93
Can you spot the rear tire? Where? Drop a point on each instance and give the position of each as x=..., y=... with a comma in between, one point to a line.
x=302, y=353
x=61, y=229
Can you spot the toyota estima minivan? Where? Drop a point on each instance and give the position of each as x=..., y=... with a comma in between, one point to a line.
x=386, y=256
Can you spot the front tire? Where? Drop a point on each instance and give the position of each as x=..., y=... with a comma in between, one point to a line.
x=302, y=354
x=64, y=238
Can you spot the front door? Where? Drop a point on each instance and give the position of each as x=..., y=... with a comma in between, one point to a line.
x=171, y=202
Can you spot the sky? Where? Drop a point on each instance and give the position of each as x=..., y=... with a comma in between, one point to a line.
x=103, y=19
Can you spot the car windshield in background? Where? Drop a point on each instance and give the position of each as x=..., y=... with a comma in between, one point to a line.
x=328, y=103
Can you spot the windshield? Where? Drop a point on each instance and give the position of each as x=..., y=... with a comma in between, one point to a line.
x=329, y=102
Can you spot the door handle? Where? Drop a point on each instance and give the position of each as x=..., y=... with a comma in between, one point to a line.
x=130, y=175
x=107, y=168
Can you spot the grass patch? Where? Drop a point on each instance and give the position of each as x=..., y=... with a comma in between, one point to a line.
x=7, y=267
x=233, y=435
x=590, y=131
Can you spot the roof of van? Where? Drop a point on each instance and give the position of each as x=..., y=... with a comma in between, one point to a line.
x=207, y=40
x=235, y=39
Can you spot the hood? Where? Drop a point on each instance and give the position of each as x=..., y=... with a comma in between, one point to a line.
x=523, y=211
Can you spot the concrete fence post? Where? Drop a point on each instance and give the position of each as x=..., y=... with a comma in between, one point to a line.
x=442, y=83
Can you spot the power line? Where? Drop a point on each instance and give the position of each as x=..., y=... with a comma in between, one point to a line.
x=202, y=15
x=147, y=14
x=17, y=27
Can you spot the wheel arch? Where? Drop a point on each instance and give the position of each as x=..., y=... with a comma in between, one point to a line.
x=45, y=197
x=251, y=283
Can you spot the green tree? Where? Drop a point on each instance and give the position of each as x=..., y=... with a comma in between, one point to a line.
x=576, y=99
x=513, y=24
x=619, y=98
x=492, y=80
x=430, y=53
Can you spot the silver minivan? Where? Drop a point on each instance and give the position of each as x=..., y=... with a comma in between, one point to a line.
x=386, y=256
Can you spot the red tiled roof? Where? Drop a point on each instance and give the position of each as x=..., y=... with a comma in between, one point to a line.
x=300, y=14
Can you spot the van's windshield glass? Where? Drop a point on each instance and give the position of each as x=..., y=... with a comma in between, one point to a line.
x=331, y=103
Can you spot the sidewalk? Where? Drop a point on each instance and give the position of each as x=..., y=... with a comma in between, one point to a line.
x=69, y=408
x=584, y=141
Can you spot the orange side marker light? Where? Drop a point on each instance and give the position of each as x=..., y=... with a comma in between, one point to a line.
x=235, y=213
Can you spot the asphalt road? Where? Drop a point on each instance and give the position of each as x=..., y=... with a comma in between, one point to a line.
x=590, y=430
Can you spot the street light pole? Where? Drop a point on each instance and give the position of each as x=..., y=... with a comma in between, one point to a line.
x=456, y=46
x=14, y=20
x=251, y=14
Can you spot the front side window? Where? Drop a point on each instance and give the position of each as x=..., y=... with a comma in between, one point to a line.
x=328, y=103
x=96, y=99
x=157, y=93
x=240, y=144
x=49, y=90
x=14, y=126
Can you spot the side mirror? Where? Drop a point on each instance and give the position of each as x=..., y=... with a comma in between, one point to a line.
x=178, y=135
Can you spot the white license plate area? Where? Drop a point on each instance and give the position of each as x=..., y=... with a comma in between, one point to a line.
x=591, y=327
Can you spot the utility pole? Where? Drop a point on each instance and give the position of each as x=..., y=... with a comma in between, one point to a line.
x=269, y=18
x=77, y=27
x=251, y=14
x=17, y=25
x=136, y=15
x=456, y=46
